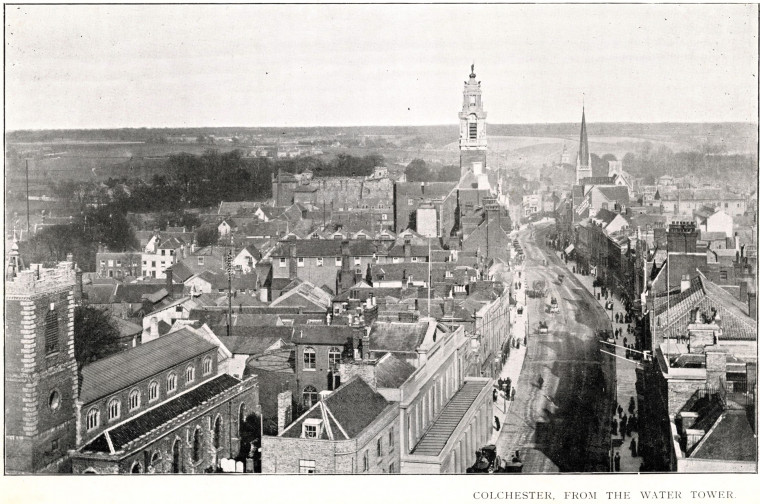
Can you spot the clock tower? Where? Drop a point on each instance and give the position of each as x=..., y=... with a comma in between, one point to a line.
x=472, y=128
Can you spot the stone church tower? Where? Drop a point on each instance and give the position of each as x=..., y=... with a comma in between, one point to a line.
x=472, y=129
x=40, y=367
x=583, y=161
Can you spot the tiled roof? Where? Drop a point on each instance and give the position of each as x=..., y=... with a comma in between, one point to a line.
x=114, y=373
x=154, y=418
x=247, y=345
x=325, y=248
x=616, y=193
x=435, y=439
x=305, y=294
x=735, y=320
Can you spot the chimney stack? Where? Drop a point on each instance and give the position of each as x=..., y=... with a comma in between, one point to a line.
x=169, y=281
x=292, y=264
x=365, y=343
x=407, y=248
x=743, y=290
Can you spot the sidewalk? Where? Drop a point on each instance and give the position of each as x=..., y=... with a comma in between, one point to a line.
x=625, y=372
x=514, y=363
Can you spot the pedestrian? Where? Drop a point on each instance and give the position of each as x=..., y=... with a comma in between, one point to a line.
x=629, y=429
x=620, y=411
x=614, y=426
x=514, y=391
x=625, y=341
x=617, y=461
x=623, y=424
x=495, y=395
x=632, y=446
x=631, y=406
x=496, y=421
x=634, y=421
x=627, y=353
x=617, y=318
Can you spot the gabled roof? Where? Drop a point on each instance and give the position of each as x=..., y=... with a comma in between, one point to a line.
x=119, y=371
x=346, y=413
x=618, y=194
x=606, y=216
x=305, y=294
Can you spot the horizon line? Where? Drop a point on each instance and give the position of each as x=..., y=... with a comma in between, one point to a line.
x=94, y=128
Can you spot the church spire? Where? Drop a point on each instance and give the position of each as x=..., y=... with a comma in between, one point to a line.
x=583, y=149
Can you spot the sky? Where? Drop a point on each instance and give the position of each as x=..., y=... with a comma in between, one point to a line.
x=349, y=65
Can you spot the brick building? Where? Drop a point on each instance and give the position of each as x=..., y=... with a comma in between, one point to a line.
x=352, y=430
x=160, y=407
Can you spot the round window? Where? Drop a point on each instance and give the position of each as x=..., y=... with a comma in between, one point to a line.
x=55, y=400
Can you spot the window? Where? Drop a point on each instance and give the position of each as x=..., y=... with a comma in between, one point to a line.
x=390, y=440
x=163, y=252
x=392, y=468
x=384, y=216
x=472, y=99
x=134, y=400
x=473, y=131
x=93, y=418
x=333, y=356
x=379, y=447
x=207, y=365
x=51, y=331
x=200, y=261
x=177, y=457
x=309, y=358
x=153, y=264
x=153, y=391
x=218, y=432
x=155, y=458
x=312, y=428
x=54, y=401
x=102, y=264
x=307, y=466
x=171, y=252
x=54, y=445
x=724, y=275
x=190, y=374
x=414, y=258
x=241, y=419
x=282, y=262
x=366, y=461
x=110, y=263
x=171, y=382
x=338, y=261
x=300, y=262
x=114, y=409
x=197, y=445
x=320, y=261
x=309, y=396
x=145, y=263
x=357, y=261
x=410, y=201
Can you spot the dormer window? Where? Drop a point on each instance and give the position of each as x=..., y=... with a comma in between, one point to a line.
x=200, y=261
x=312, y=428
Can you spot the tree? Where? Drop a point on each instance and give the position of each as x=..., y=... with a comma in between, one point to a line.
x=95, y=335
x=417, y=171
x=206, y=235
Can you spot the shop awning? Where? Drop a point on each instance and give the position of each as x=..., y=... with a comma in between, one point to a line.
x=569, y=248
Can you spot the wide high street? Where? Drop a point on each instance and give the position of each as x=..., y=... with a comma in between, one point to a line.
x=560, y=418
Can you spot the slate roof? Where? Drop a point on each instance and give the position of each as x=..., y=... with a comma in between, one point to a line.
x=307, y=295
x=248, y=345
x=347, y=411
x=325, y=248
x=322, y=334
x=616, y=193
x=119, y=371
x=404, y=337
x=436, y=437
x=730, y=437
x=154, y=418
x=392, y=372
x=125, y=327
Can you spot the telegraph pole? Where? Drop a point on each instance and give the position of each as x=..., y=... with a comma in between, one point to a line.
x=228, y=266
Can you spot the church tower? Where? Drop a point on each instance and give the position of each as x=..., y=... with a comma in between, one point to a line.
x=40, y=367
x=472, y=129
x=583, y=161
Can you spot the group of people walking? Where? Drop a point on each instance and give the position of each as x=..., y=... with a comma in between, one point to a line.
x=625, y=424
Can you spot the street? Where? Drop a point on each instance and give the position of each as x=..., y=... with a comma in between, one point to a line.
x=559, y=420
